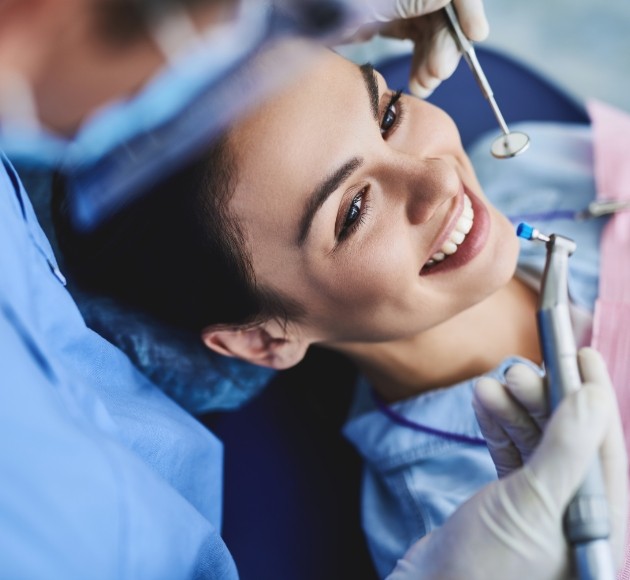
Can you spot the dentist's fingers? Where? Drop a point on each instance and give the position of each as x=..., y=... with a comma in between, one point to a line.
x=504, y=453
x=388, y=10
x=572, y=438
x=472, y=19
x=516, y=523
x=593, y=367
x=527, y=387
x=511, y=434
x=435, y=55
x=432, y=64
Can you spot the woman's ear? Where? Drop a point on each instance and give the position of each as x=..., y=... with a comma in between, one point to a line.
x=267, y=344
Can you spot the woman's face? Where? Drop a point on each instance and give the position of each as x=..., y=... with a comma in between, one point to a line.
x=361, y=205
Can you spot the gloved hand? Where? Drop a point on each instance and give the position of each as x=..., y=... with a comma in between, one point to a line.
x=435, y=54
x=511, y=416
x=515, y=524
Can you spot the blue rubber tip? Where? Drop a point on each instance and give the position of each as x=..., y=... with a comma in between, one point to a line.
x=524, y=230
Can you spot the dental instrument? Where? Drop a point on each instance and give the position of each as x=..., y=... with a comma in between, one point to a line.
x=586, y=519
x=603, y=207
x=596, y=209
x=511, y=143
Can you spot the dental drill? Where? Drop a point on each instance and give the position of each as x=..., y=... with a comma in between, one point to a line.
x=586, y=519
x=511, y=143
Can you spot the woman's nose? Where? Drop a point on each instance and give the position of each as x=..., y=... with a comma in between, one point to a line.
x=427, y=184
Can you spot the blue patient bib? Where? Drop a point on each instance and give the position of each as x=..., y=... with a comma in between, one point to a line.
x=101, y=475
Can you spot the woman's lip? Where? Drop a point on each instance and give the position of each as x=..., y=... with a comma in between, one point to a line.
x=472, y=244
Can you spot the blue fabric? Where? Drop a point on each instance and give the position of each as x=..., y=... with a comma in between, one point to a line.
x=175, y=360
x=103, y=476
x=412, y=480
x=554, y=175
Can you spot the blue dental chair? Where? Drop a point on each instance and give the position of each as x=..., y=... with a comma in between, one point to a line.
x=292, y=482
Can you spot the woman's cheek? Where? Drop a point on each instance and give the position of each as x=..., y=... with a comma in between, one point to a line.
x=371, y=275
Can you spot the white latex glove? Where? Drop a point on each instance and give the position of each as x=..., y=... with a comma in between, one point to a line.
x=435, y=54
x=511, y=416
x=513, y=526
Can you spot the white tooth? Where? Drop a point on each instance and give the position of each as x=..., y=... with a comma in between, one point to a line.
x=464, y=224
x=449, y=247
x=457, y=237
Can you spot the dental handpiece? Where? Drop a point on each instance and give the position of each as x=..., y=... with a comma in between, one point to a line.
x=586, y=520
x=511, y=143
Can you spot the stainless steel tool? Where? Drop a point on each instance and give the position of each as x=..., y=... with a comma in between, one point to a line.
x=511, y=143
x=586, y=519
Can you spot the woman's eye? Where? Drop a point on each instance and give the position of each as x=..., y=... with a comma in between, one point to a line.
x=389, y=119
x=353, y=215
x=391, y=115
x=354, y=211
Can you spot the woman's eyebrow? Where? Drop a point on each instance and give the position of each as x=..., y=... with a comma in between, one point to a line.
x=322, y=192
x=371, y=85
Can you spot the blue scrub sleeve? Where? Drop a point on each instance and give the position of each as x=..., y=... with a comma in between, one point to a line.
x=102, y=475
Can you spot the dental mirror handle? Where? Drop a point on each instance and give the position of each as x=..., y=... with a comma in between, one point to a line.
x=586, y=520
x=468, y=52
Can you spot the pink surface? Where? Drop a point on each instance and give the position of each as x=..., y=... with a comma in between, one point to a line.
x=611, y=327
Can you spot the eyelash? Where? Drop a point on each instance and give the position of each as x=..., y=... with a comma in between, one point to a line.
x=350, y=225
x=395, y=107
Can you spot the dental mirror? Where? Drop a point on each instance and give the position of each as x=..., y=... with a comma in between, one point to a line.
x=509, y=144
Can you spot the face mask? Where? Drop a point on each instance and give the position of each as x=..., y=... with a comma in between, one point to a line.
x=128, y=145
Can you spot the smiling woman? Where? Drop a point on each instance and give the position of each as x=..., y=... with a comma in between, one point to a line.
x=349, y=195
x=345, y=214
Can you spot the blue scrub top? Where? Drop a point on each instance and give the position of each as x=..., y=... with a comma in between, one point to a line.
x=101, y=475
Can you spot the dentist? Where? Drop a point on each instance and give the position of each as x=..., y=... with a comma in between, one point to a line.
x=102, y=476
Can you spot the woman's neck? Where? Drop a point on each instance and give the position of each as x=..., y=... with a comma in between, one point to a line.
x=468, y=345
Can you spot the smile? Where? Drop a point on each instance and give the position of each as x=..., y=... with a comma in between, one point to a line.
x=457, y=235
x=465, y=239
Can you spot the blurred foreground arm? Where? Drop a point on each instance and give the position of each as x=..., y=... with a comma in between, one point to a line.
x=515, y=524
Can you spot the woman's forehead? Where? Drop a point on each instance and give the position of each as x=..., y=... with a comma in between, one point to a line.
x=296, y=139
x=316, y=91
x=298, y=134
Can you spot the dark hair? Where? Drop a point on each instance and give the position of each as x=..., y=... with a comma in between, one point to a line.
x=176, y=252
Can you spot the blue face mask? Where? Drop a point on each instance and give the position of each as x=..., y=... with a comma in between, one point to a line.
x=129, y=145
